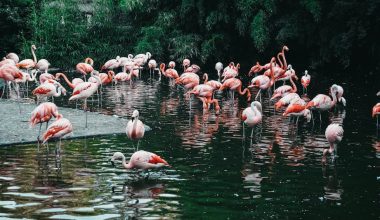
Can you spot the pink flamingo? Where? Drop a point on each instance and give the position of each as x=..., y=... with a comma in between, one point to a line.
x=42, y=114
x=339, y=95
x=10, y=73
x=86, y=67
x=323, y=102
x=122, y=77
x=252, y=116
x=42, y=65
x=188, y=80
x=185, y=64
x=140, y=160
x=219, y=68
x=83, y=91
x=334, y=135
x=305, y=81
x=231, y=71
x=235, y=84
x=135, y=128
x=7, y=62
x=13, y=56
x=72, y=84
x=286, y=89
x=106, y=78
x=263, y=82
x=376, y=112
x=152, y=64
x=48, y=89
x=213, y=83
x=57, y=130
x=143, y=57
x=45, y=77
x=286, y=100
x=297, y=110
x=28, y=63
x=171, y=73
x=111, y=64
x=205, y=93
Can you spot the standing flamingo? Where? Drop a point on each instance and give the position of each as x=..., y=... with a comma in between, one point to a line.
x=334, y=135
x=252, y=116
x=205, y=93
x=85, y=90
x=234, y=84
x=140, y=160
x=42, y=65
x=48, y=89
x=286, y=89
x=263, y=82
x=85, y=68
x=323, y=102
x=376, y=112
x=152, y=64
x=297, y=110
x=286, y=100
x=305, y=81
x=10, y=73
x=339, y=95
x=13, y=56
x=42, y=114
x=171, y=73
x=111, y=64
x=135, y=128
x=218, y=68
x=57, y=130
x=230, y=71
x=28, y=63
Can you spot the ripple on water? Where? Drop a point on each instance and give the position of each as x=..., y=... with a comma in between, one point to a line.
x=98, y=217
x=28, y=195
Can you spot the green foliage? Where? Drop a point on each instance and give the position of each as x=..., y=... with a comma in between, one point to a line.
x=67, y=31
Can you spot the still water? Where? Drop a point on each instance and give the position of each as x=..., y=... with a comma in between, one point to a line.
x=215, y=173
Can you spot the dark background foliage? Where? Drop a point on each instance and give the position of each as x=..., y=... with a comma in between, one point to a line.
x=339, y=35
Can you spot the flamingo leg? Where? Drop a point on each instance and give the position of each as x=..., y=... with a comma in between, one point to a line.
x=320, y=117
x=297, y=120
x=243, y=131
x=85, y=110
x=5, y=84
x=252, y=133
x=18, y=96
x=138, y=143
x=258, y=93
x=39, y=133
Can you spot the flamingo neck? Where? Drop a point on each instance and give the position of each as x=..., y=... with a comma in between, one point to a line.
x=334, y=98
x=125, y=164
x=34, y=55
x=279, y=60
x=59, y=92
x=66, y=79
x=294, y=87
x=284, y=59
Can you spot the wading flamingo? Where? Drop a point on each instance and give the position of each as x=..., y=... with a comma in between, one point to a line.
x=339, y=95
x=323, y=102
x=171, y=73
x=286, y=100
x=263, y=82
x=305, y=81
x=57, y=130
x=285, y=89
x=234, y=84
x=252, y=116
x=152, y=64
x=334, y=135
x=42, y=114
x=219, y=68
x=135, y=128
x=111, y=64
x=140, y=160
x=49, y=89
x=205, y=93
x=85, y=68
x=297, y=110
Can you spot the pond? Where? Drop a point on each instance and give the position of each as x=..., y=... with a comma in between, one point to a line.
x=216, y=173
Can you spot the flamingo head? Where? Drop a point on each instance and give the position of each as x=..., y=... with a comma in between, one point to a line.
x=172, y=64
x=307, y=114
x=34, y=47
x=116, y=156
x=306, y=73
x=285, y=48
x=135, y=114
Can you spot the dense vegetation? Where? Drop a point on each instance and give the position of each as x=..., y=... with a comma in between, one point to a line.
x=318, y=32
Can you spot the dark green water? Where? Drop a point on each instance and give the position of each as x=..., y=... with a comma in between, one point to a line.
x=215, y=174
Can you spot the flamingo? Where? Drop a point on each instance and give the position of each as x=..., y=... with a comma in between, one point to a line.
x=28, y=63
x=235, y=84
x=286, y=89
x=263, y=82
x=231, y=71
x=252, y=116
x=72, y=84
x=323, y=102
x=135, y=128
x=205, y=93
x=282, y=53
x=125, y=60
x=193, y=69
x=140, y=160
x=85, y=68
x=143, y=58
x=171, y=64
x=218, y=68
x=85, y=90
x=106, y=78
x=45, y=77
x=152, y=64
x=13, y=56
x=26, y=79
x=42, y=114
x=339, y=95
x=10, y=73
x=305, y=81
x=286, y=100
x=48, y=89
x=334, y=135
x=57, y=130
x=297, y=109
x=171, y=73
x=376, y=112
x=7, y=62
x=286, y=75
x=188, y=80
x=42, y=65
x=185, y=64
x=213, y=83
x=111, y=64
x=122, y=76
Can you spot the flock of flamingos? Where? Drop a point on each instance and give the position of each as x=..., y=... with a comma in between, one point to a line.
x=15, y=72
